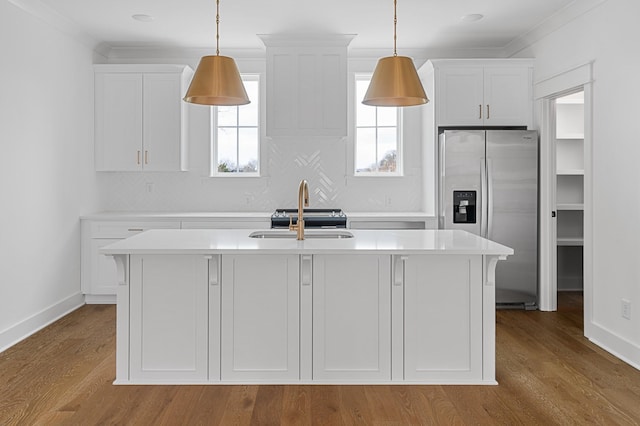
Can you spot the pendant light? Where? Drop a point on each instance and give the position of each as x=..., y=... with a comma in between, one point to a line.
x=395, y=81
x=217, y=80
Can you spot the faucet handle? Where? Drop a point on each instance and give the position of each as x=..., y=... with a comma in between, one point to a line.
x=291, y=227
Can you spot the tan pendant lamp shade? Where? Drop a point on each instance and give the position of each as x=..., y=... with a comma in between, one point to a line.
x=217, y=82
x=217, y=79
x=395, y=81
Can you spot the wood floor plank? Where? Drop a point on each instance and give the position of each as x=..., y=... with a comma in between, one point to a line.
x=296, y=405
x=325, y=405
x=548, y=374
x=239, y=408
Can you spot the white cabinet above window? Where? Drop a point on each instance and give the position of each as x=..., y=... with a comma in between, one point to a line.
x=307, y=85
x=140, y=118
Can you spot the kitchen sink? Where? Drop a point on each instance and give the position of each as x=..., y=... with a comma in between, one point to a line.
x=308, y=234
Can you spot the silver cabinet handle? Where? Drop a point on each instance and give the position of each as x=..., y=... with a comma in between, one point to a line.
x=480, y=112
x=146, y=157
x=488, y=112
x=483, y=197
x=135, y=229
x=138, y=157
x=489, y=199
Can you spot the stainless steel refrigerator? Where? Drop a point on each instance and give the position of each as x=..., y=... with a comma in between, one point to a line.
x=488, y=185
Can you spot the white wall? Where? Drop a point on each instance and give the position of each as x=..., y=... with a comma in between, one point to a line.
x=46, y=170
x=608, y=36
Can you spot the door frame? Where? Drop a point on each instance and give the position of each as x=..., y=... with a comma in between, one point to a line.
x=545, y=93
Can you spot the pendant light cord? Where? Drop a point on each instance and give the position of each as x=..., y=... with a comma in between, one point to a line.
x=217, y=27
x=395, y=23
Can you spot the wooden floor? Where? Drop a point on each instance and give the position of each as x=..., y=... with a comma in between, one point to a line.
x=548, y=374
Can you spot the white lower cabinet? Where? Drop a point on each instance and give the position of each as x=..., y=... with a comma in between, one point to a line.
x=98, y=272
x=351, y=318
x=443, y=318
x=260, y=318
x=169, y=308
x=103, y=277
x=288, y=318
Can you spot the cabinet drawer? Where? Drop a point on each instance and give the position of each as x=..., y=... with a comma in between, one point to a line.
x=227, y=224
x=109, y=229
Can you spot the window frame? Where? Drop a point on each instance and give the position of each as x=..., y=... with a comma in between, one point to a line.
x=399, y=134
x=213, y=140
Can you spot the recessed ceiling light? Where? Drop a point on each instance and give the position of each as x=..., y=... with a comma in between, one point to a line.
x=143, y=18
x=471, y=17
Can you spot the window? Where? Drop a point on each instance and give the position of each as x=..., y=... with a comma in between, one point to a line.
x=236, y=135
x=377, y=141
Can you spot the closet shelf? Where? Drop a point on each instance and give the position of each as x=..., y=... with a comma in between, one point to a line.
x=570, y=206
x=572, y=172
x=569, y=241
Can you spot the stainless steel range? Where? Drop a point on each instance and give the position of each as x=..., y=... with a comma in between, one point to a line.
x=313, y=218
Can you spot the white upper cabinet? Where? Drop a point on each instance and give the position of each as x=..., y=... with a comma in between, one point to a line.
x=140, y=118
x=306, y=85
x=483, y=92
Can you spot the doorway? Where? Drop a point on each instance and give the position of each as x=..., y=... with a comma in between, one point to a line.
x=568, y=122
x=564, y=105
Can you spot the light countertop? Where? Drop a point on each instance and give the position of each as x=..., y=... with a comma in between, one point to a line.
x=218, y=241
x=117, y=215
x=187, y=215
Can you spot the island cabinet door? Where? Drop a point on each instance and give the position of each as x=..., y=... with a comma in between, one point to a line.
x=260, y=318
x=351, y=318
x=443, y=318
x=168, y=318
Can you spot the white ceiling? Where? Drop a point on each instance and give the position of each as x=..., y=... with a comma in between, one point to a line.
x=422, y=24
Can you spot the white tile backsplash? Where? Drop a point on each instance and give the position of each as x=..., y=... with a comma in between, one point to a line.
x=322, y=162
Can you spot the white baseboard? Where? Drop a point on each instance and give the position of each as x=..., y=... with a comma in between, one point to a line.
x=614, y=344
x=100, y=299
x=38, y=321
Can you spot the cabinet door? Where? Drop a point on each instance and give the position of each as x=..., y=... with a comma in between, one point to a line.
x=260, y=318
x=507, y=96
x=443, y=318
x=459, y=96
x=118, y=121
x=351, y=317
x=168, y=318
x=162, y=122
x=99, y=271
x=104, y=278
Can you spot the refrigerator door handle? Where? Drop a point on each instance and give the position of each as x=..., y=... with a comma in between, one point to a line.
x=489, y=199
x=483, y=198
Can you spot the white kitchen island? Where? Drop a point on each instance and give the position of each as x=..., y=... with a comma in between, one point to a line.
x=216, y=306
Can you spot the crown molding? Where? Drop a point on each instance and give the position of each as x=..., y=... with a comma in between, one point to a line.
x=556, y=21
x=159, y=53
x=46, y=14
x=294, y=40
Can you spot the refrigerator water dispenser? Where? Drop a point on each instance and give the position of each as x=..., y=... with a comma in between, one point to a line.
x=464, y=206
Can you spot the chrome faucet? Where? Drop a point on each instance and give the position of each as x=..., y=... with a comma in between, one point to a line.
x=303, y=200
